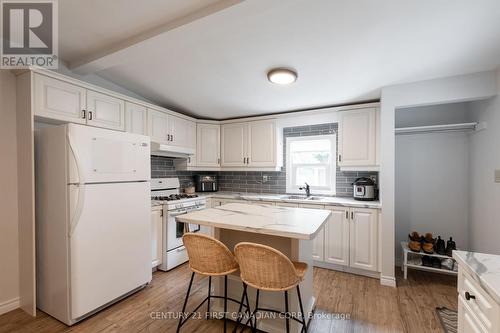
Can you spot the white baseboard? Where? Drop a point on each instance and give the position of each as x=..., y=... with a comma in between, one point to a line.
x=9, y=305
x=389, y=281
x=346, y=269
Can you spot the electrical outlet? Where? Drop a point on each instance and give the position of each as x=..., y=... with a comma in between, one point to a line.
x=265, y=178
x=374, y=178
x=497, y=176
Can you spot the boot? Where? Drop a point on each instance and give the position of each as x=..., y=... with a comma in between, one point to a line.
x=450, y=246
x=428, y=245
x=440, y=246
x=415, y=242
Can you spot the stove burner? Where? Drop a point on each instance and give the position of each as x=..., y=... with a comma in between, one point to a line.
x=172, y=197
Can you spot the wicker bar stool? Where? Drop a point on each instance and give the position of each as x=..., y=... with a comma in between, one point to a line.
x=209, y=257
x=265, y=268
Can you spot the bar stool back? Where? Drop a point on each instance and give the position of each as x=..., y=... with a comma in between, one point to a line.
x=265, y=268
x=208, y=257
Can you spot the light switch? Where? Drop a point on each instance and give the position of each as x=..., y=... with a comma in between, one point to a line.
x=497, y=176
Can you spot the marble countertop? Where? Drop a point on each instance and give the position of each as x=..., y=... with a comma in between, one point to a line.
x=298, y=223
x=484, y=268
x=334, y=201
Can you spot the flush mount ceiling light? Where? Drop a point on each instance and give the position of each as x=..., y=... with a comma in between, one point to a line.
x=282, y=76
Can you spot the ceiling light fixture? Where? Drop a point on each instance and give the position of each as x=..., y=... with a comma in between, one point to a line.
x=282, y=76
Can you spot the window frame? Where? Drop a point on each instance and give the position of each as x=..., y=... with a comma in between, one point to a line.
x=330, y=189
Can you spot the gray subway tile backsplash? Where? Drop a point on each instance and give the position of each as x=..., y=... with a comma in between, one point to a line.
x=252, y=181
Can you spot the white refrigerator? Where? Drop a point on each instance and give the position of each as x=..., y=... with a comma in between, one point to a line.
x=93, y=208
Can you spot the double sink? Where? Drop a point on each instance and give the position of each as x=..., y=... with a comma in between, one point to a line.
x=300, y=197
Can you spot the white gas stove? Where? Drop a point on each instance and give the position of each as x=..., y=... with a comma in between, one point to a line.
x=165, y=191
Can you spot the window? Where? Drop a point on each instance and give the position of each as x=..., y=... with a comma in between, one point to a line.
x=312, y=160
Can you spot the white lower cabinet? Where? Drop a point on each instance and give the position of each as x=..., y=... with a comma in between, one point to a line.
x=156, y=236
x=363, y=236
x=477, y=310
x=337, y=236
x=319, y=240
x=349, y=238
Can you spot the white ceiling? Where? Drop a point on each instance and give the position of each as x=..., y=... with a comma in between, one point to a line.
x=344, y=51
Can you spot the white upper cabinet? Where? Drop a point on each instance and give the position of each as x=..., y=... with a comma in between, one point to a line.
x=358, y=138
x=105, y=111
x=250, y=144
x=136, y=117
x=158, y=126
x=59, y=100
x=208, y=145
x=363, y=238
x=182, y=132
x=262, y=144
x=234, y=144
x=337, y=237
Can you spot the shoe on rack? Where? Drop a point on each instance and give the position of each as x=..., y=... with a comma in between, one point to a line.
x=450, y=246
x=426, y=261
x=436, y=262
x=440, y=246
x=414, y=236
x=428, y=245
x=447, y=264
x=415, y=246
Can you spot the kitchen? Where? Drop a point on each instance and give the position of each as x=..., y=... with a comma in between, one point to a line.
x=108, y=184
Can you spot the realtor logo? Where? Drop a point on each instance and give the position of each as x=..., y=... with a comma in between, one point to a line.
x=29, y=34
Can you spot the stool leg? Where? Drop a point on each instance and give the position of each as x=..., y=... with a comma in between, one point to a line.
x=287, y=313
x=254, y=328
x=209, y=294
x=240, y=317
x=304, y=326
x=225, y=303
x=185, y=303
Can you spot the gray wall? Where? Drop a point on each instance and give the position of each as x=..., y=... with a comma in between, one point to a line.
x=253, y=181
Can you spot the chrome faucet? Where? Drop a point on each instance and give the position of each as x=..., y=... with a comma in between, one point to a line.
x=307, y=188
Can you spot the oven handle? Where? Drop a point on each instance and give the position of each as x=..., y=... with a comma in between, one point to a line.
x=182, y=212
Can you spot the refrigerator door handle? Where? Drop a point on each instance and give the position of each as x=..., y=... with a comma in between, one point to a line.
x=81, y=189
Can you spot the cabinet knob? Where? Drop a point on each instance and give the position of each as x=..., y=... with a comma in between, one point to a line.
x=84, y=114
x=469, y=296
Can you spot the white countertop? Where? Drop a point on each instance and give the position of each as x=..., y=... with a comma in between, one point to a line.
x=298, y=223
x=334, y=201
x=484, y=268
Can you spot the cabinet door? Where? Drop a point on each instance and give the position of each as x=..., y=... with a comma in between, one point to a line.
x=105, y=111
x=233, y=146
x=59, y=100
x=337, y=237
x=208, y=145
x=262, y=143
x=363, y=238
x=156, y=237
x=135, y=118
x=467, y=320
x=158, y=126
x=357, y=137
x=182, y=132
x=319, y=241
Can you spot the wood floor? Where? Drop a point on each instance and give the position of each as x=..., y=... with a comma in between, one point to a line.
x=345, y=303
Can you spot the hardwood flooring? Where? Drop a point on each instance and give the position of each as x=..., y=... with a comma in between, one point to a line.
x=345, y=303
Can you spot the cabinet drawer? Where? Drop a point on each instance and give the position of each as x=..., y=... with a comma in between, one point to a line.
x=485, y=309
x=467, y=320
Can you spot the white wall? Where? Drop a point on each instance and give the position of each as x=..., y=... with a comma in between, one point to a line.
x=484, y=192
x=432, y=186
x=9, y=276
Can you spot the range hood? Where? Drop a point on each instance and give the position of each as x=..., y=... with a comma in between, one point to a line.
x=160, y=149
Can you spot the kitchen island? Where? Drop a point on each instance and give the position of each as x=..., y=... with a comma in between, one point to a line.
x=289, y=230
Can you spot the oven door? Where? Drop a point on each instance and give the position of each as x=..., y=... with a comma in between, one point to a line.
x=175, y=230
